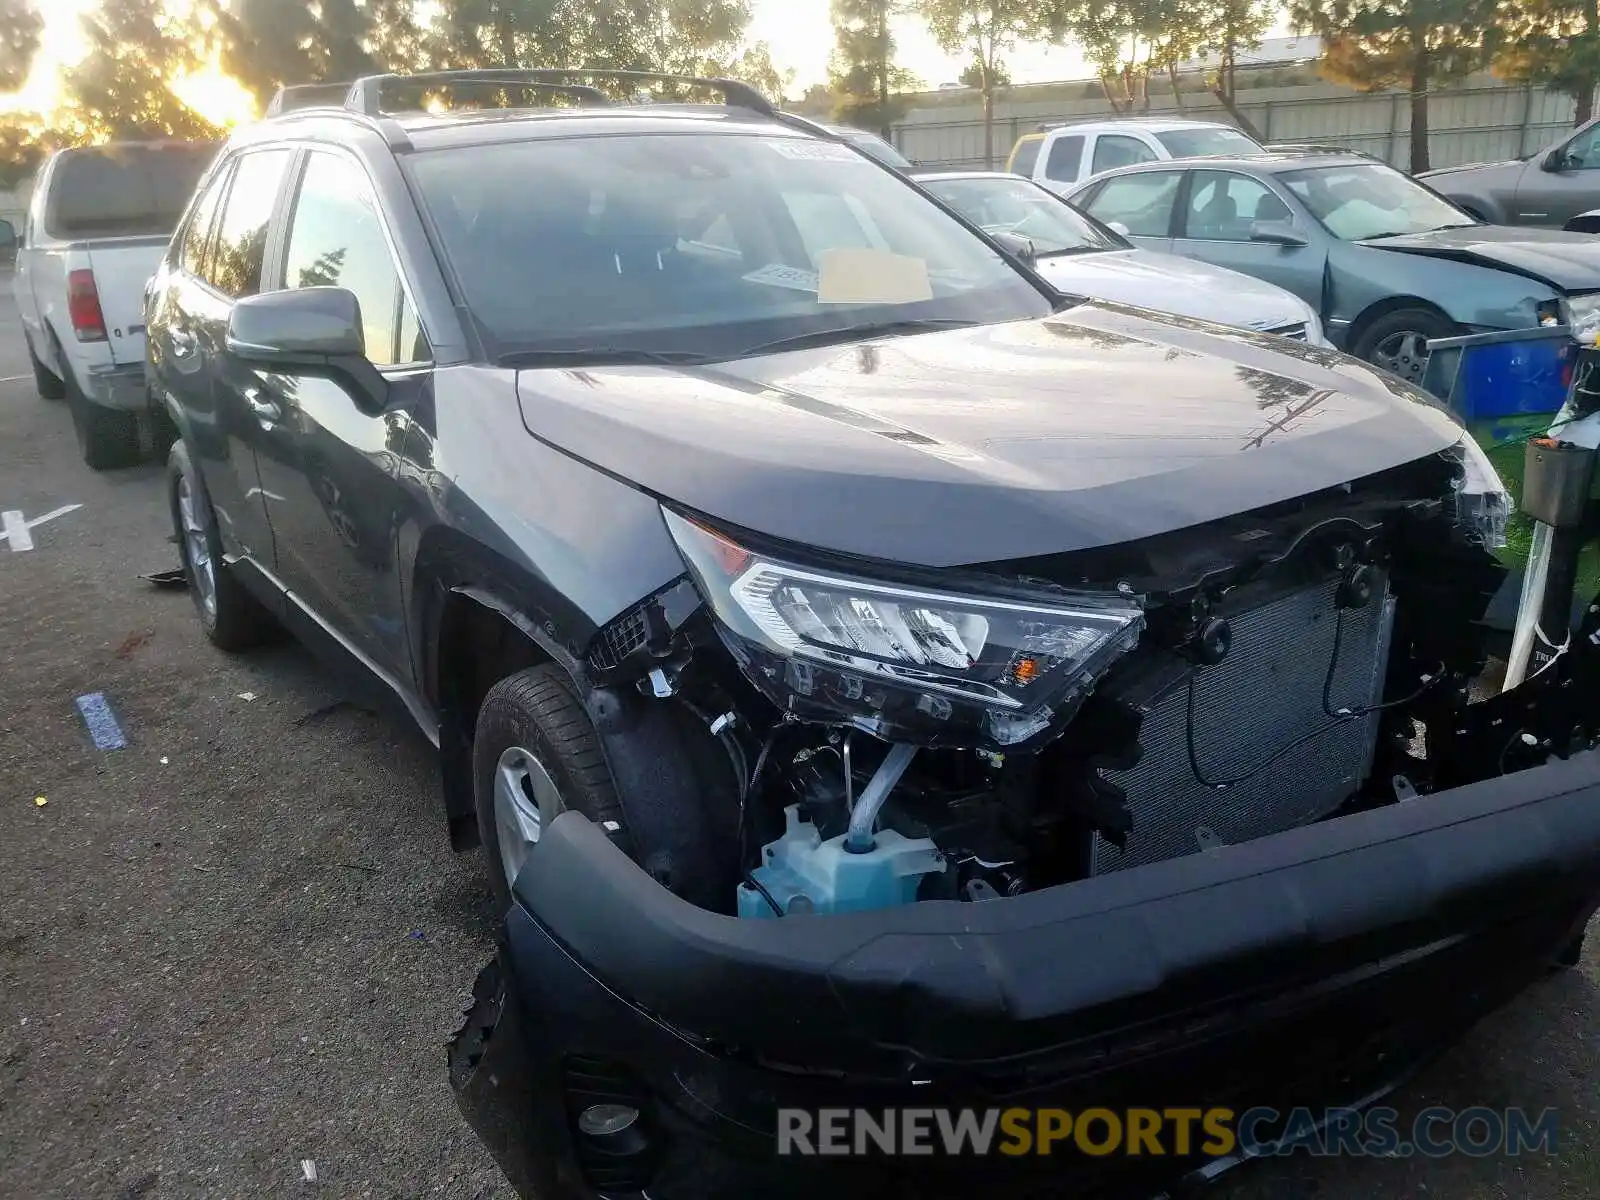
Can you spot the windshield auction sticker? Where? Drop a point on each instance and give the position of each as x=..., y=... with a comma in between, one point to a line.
x=812, y=151
x=777, y=275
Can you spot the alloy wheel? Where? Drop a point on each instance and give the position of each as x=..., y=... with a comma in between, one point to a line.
x=525, y=797
x=197, y=548
x=1405, y=353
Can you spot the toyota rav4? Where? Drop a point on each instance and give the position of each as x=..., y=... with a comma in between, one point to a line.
x=874, y=678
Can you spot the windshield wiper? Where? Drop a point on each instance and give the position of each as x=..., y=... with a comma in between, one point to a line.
x=1041, y=255
x=599, y=356
x=851, y=333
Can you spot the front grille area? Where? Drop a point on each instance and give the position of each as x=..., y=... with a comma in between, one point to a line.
x=1264, y=701
x=618, y=640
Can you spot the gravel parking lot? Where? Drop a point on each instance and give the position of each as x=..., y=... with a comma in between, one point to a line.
x=239, y=942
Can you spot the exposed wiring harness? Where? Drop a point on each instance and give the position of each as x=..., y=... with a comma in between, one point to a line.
x=1340, y=716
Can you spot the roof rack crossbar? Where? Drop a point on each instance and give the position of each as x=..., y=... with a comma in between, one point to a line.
x=366, y=95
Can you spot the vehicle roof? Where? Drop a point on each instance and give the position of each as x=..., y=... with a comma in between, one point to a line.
x=1263, y=164
x=462, y=127
x=1154, y=124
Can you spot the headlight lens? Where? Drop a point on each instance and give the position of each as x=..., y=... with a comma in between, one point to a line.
x=1483, y=506
x=882, y=655
x=1581, y=314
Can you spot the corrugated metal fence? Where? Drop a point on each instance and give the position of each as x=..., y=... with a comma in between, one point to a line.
x=1467, y=124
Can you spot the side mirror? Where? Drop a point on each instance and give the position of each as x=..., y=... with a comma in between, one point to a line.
x=1018, y=247
x=1277, y=233
x=309, y=330
x=1118, y=228
x=1556, y=161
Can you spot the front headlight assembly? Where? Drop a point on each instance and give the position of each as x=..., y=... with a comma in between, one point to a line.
x=1482, y=503
x=903, y=662
x=1581, y=315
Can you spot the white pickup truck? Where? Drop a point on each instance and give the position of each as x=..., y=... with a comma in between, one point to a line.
x=99, y=222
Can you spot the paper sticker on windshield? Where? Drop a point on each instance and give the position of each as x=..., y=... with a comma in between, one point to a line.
x=778, y=275
x=859, y=276
x=813, y=151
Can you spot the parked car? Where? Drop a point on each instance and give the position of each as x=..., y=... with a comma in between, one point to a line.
x=875, y=679
x=1559, y=187
x=1082, y=257
x=1059, y=157
x=1387, y=263
x=873, y=145
x=99, y=221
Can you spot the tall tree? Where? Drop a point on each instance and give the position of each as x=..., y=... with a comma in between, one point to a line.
x=1125, y=40
x=1553, y=44
x=1231, y=26
x=268, y=43
x=1414, y=44
x=120, y=88
x=986, y=31
x=686, y=37
x=862, y=74
x=21, y=26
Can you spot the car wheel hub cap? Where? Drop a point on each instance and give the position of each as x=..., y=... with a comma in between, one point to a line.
x=1406, y=354
x=197, y=549
x=525, y=797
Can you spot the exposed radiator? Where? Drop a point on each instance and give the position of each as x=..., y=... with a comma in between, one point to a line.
x=1265, y=696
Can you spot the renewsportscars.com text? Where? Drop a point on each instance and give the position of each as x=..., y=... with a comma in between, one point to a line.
x=1154, y=1132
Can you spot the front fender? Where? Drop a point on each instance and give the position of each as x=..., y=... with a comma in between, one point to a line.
x=1478, y=297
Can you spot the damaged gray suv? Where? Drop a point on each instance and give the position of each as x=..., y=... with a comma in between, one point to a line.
x=873, y=678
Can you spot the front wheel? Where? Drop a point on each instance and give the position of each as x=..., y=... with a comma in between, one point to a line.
x=534, y=756
x=1398, y=341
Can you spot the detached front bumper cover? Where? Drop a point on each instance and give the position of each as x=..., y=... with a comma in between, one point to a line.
x=1311, y=967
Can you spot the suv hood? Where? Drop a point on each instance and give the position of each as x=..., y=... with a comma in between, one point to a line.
x=1096, y=426
x=1168, y=283
x=1566, y=261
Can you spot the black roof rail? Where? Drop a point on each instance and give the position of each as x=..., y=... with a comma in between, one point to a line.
x=308, y=95
x=365, y=95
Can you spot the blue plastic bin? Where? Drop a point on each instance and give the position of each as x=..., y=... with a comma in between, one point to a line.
x=1493, y=376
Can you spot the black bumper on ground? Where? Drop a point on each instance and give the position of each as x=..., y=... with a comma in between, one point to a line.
x=1310, y=968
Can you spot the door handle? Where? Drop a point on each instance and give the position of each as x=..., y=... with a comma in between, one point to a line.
x=266, y=409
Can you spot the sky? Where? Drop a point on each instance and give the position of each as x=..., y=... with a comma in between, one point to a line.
x=799, y=32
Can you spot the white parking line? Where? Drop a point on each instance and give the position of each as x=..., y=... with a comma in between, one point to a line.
x=14, y=528
x=14, y=378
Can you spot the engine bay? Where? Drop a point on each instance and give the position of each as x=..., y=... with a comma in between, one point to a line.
x=1257, y=675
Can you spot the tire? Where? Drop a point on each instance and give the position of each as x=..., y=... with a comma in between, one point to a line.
x=533, y=722
x=232, y=618
x=49, y=387
x=108, y=438
x=1395, y=341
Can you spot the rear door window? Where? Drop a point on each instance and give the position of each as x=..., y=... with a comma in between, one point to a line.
x=197, y=234
x=1065, y=160
x=124, y=190
x=234, y=266
x=1141, y=203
